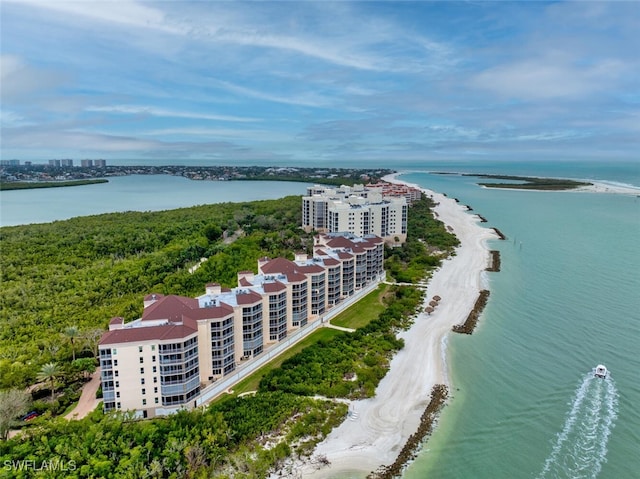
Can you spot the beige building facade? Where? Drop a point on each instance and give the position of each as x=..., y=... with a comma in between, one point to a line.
x=357, y=210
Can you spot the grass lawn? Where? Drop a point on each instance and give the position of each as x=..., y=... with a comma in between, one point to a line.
x=251, y=382
x=364, y=311
x=358, y=315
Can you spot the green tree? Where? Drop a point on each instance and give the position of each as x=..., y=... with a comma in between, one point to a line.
x=86, y=366
x=13, y=403
x=49, y=372
x=72, y=332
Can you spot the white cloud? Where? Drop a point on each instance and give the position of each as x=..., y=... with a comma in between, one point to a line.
x=238, y=134
x=18, y=79
x=547, y=78
x=161, y=112
x=10, y=119
x=308, y=99
x=123, y=12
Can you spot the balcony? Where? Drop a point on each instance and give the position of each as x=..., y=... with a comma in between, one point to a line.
x=165, y=360
x=108, y=395
x=180, y=388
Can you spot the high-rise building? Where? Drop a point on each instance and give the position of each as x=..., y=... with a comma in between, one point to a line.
x=357, y=210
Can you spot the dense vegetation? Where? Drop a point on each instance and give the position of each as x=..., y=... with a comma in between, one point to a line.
x=66, y=279
x=427, y=243
x=234, y=438
x=84, y=271
x=28, y=185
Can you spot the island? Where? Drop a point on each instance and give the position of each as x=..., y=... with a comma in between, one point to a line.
x=531, y=183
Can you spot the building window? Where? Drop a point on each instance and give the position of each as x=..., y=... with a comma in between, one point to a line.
x=144, y=402
x=156, y=400
x=114, y=351
x=155, y=379
x=117, y=384
x=155, y=369
x=139, y=349
x=141, y=380
x=115, y=373
x=153, y=347
x=155, y=390
x=115, y=362
x=118, y=405
x=118, y=394
x=141, y=360
x=144, y=391
x=153, y=359
x=141, y=370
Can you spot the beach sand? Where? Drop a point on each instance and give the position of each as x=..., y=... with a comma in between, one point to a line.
x=601, y=187
x=377, y=428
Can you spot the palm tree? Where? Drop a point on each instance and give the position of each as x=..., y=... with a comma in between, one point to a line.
x=49, y=372
x=72, y=332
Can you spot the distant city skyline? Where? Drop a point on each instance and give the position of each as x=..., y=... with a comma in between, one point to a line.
x=319, y=82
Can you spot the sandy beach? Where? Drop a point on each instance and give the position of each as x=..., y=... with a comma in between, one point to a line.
x=602, y=187
x=378, y=427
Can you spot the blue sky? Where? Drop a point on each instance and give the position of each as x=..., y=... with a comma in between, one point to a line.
x=316, y=81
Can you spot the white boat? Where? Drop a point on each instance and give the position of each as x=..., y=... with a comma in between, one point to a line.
x=600, y=371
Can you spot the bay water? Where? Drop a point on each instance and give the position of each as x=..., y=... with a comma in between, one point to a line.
x=132, y=193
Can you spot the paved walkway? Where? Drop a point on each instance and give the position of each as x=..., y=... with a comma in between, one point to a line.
x=88, y=401
x=340, y=328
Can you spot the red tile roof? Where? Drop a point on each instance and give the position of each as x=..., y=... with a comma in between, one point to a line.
x=274, y=287
x=310, y=268
x=213, y=312
x=278, y=265
x=150, y=333
x=248, y=298
x=331, y=262
x=169, y=307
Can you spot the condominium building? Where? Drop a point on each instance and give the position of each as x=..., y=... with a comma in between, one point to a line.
x=410, y=193
x=165, y=359
x=357, y=210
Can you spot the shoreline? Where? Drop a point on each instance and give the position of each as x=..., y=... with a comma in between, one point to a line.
x=378, y=428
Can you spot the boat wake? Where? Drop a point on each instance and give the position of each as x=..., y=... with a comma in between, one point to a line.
x=581, y=447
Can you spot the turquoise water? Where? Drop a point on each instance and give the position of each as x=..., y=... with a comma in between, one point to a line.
x=524, y=404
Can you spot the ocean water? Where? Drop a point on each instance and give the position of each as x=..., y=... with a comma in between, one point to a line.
x=524, y=403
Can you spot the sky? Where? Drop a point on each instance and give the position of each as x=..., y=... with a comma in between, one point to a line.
x=320, y=82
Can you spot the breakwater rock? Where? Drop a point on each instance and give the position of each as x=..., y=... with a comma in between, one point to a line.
x=499, y=233
x=470, y=324
x=439, y=395
x=495, y=261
